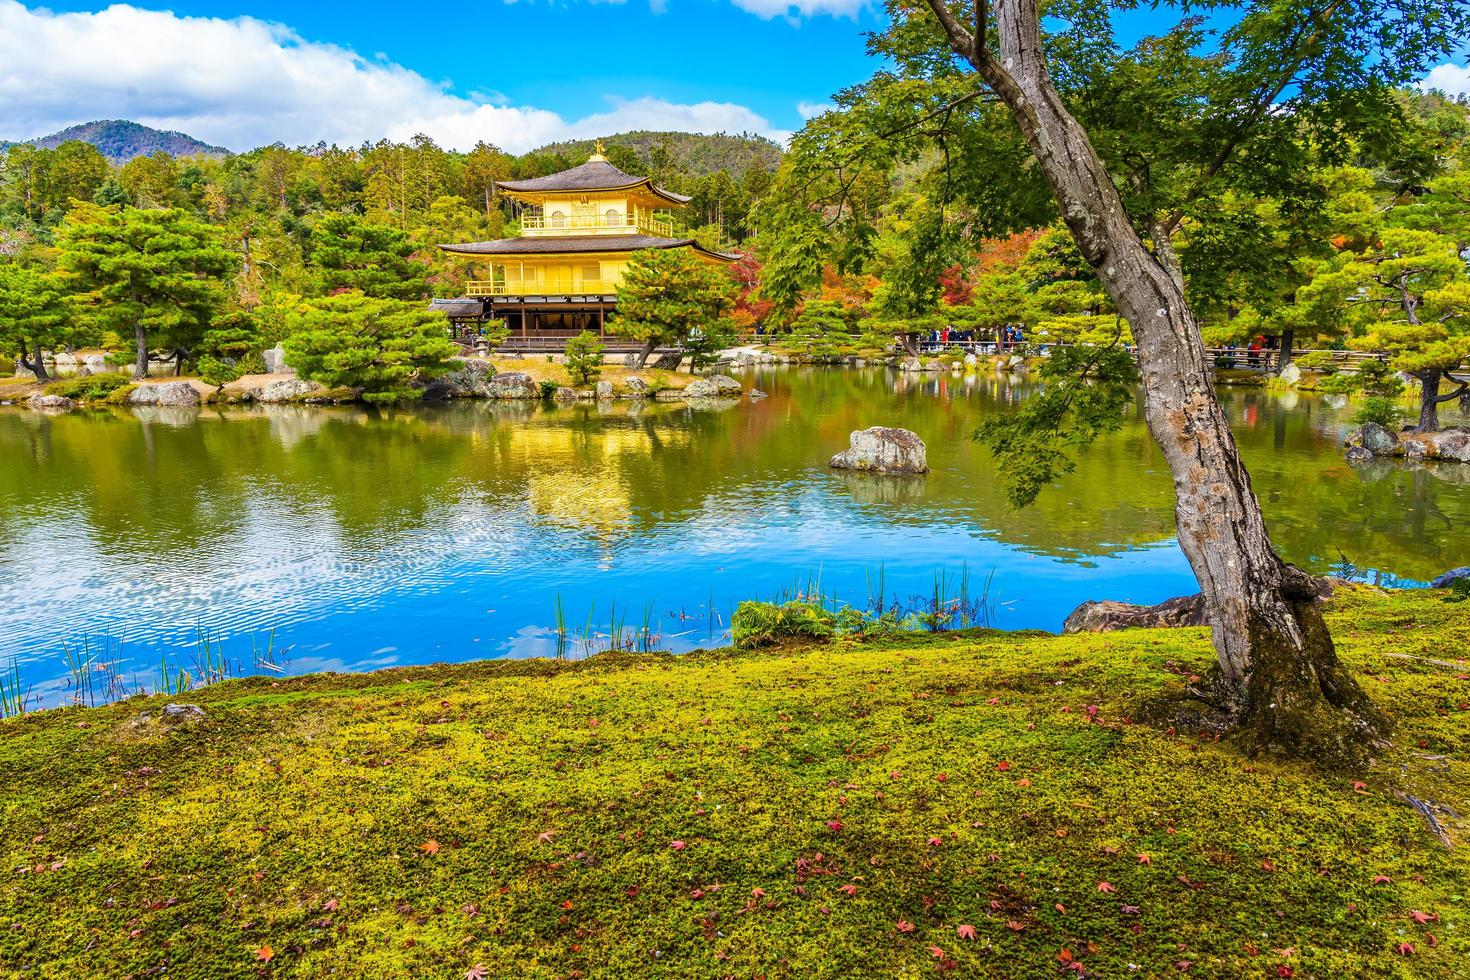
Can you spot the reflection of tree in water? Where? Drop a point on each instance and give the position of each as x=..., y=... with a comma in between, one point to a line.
x=872, y=489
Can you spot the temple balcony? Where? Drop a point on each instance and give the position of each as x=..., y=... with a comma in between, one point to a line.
x=579, y=287
x=539, y=225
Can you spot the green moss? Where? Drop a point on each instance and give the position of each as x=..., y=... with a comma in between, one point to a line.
x=295, y=817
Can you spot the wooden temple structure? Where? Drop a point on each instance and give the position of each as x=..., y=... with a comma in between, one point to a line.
x=560, y=276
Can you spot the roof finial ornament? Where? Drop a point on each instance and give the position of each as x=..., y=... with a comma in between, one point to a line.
x=599, y=156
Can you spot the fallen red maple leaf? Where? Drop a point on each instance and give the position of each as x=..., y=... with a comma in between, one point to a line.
x=1382, y=880
x=476, y=972
x=1423, y=917
x=966, y=932
x=935, y=841
x=936, y=952
x=430, y=846
x=1002, y=766
x=264, y=954
x=1145, y=859
x=1105, y=887
x=1405, y=949
x=905, y=926
x=1015, y=926
x=677, y=845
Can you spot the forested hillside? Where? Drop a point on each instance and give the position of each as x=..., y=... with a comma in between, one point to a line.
x=120, y=140
x=696, y=153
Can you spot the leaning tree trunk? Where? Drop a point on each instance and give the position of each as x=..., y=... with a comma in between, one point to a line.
x=36, y=367
x=140, y=366
x=643, y=355
x=1279, y=680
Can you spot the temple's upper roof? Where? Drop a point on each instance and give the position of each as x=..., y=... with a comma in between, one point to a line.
x=577, y=244
x=594, y=175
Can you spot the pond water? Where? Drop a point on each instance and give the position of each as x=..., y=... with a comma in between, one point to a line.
x=365, y=539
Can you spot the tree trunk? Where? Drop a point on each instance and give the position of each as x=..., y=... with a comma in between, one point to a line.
x=1288, y=343
x=1428, y=400
x=647, y=350
x=1279, y=680
x=36, y=367
x=140, y=366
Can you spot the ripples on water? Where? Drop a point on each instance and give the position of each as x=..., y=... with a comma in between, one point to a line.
x=365, y=539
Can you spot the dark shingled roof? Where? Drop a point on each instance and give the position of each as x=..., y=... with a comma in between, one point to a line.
x=594, y=175
x=458, y=307
x=580, y=243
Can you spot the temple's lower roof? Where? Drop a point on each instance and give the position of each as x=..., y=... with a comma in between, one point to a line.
x=576, y=245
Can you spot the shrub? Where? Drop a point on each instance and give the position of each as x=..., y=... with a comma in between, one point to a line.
x=759, y=624
x=216, y=372
x=1317, y=360
x=89, y=388
x=1380, y=409
x=548, y=387
x=584, y=358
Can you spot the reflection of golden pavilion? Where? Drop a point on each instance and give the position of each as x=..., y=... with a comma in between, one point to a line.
x=579, y=228
x=571, y=480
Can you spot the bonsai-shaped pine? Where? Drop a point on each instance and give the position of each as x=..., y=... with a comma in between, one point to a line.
x=230, y=348
x=584, y=358
x=821, y=331
x=373, y=259
x=34, y=315
x=384, y=347
x=668, y=294
x=157, y=274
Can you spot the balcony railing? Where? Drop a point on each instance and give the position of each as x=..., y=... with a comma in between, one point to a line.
x=563, y=224
x=582, y=287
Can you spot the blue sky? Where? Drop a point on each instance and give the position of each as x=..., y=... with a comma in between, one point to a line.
x=518, y=74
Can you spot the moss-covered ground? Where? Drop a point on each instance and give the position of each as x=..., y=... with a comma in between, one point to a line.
x=975, y=803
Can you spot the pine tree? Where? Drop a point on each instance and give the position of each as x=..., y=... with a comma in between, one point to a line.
x=385, y=347
x=666, y=295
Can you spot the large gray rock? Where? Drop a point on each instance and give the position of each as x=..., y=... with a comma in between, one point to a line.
x=284, y=390
x=911, y=365
x=701, y=388
x=564, y=396
x=670, y=361
x=177, y=394
x=1450, y=445
x=604, y=390
x=1451, y=576
x=883, y=450
x=51, y=403
x=469, y=379
x=275, y=361
x=513, y=384
x=1376, y=439
x=1106, y=616
x=1290, y=374
x=726, y=385
x=637, y=387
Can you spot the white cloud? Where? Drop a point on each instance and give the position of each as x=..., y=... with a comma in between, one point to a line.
x=1451, y=78
x=811, y=110
x=769, y=9
x=243, y=82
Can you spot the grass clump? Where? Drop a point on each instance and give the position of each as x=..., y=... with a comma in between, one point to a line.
x=90, y=388
x=965, y=802
x=761, y=624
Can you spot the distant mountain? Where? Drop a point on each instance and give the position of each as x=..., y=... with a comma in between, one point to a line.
x=695, y=152
x=121, y=140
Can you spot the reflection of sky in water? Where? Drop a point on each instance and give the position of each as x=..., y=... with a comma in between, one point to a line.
x=542, y=508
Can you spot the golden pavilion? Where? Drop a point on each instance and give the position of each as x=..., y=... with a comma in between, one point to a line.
x=560, y=276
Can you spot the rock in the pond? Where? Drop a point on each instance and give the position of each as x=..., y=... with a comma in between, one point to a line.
x=170, y=393
x=604, y=390
x=284, y=390
x=275, y=361
x=1450, y=445
x=971, y=360
x=1106, y=616
x=637, y=387
x=564, y=396
x=883, y=450
x=701, y=388
x=51, y=403
x=756, y=394
x=1357, y=454
x=512, y=384
x=469, y=379
x=726, y=385
x=1376, y=439
x=1450, y=577
x=1290, y=374
x=911, y=365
